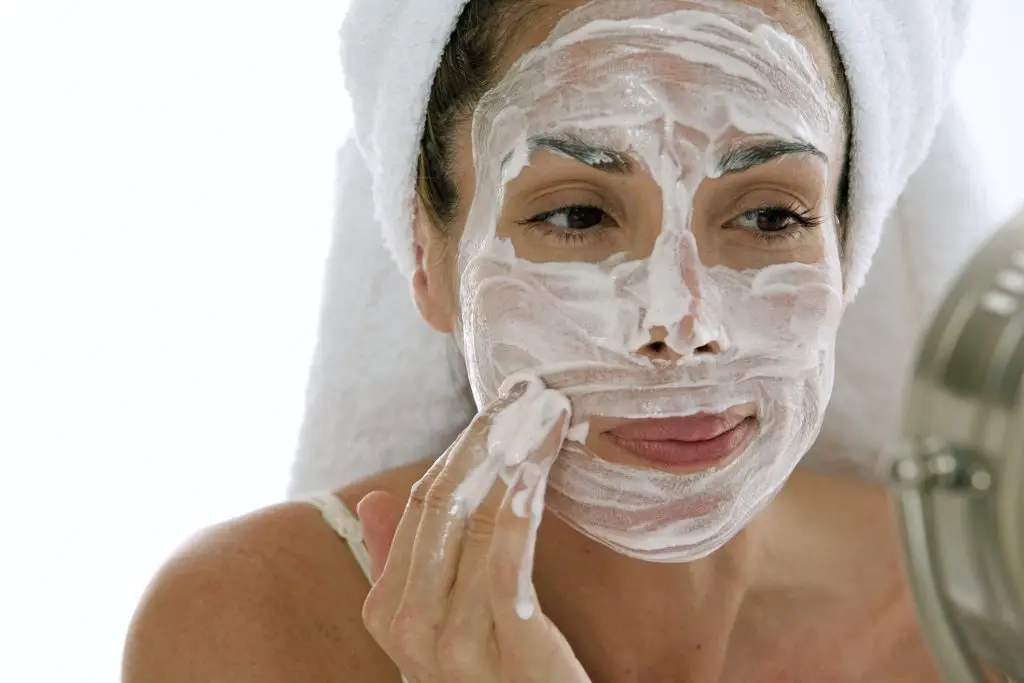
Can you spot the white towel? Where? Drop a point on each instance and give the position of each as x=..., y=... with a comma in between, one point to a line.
x=385, y=390
x=941, y=218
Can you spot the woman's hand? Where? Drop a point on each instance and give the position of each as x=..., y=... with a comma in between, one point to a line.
x=455, y=600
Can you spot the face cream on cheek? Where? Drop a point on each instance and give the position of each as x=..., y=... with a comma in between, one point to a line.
x=676, y=91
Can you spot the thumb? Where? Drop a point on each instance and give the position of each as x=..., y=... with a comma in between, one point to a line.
x=379, y=513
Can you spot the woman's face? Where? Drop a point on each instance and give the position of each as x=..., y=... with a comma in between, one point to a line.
x=559, y=209
x=648, y=223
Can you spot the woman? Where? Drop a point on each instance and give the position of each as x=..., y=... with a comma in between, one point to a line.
x=646, y=276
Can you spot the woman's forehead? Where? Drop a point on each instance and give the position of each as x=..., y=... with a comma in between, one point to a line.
x=798, y=18
x=677, y=65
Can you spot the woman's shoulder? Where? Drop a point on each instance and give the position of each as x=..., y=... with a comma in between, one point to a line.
x=275, y=595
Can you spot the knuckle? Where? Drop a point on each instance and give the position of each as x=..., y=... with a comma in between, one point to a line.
x=480, y=425
x=439, y=497
x=423, y=483
x=411, y=637
x=480, y=527
x=376, y=615
x=418, y=492
x=474, y=433
x=458, y=653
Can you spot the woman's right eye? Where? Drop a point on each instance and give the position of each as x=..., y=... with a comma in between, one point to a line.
x=567, y=219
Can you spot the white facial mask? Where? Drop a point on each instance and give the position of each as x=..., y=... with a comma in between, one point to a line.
x=675, y=91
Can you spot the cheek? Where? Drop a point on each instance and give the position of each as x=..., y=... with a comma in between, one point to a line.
x=791, y=310
x=739, y=250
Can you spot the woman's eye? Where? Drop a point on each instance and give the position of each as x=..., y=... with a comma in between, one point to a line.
x=775, y=220
x=570, y=218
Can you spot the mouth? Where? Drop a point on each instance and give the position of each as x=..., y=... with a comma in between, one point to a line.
x=690, y=444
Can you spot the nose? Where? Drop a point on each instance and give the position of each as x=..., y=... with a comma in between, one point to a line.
x=677, y=318
x=687, y=343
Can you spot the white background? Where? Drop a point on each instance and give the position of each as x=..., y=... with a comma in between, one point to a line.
x=165, y=173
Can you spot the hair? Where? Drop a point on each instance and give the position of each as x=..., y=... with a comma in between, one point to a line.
x=469, y=68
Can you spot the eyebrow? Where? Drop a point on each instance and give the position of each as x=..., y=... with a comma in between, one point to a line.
x=747, y=155
x=736, y=160
x=579, y=150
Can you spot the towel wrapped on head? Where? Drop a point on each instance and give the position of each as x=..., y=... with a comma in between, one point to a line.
x=385, y=390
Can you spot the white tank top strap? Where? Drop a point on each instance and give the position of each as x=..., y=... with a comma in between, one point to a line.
x=345, y=524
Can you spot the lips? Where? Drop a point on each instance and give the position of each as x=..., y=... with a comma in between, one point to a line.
x=695, y=442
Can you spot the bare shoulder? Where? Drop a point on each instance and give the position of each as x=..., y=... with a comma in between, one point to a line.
x=270, y=597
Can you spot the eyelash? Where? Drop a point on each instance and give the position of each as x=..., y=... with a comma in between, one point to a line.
x=804, y=220
x=540, y=222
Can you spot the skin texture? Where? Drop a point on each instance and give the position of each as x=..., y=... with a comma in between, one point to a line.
x=812, y=590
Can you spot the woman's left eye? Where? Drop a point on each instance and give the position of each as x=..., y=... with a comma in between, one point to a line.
x=776, y=221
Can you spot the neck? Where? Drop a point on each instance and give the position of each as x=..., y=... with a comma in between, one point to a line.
x=679, y=618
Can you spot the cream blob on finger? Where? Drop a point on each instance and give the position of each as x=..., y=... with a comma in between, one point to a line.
x=682, y=93
x=516, y=432
x=520, y=429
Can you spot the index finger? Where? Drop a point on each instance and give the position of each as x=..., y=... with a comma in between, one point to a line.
x=460, y=478
x=505, y=438
x=428, y=542
x=428, y=511
x=420, y=496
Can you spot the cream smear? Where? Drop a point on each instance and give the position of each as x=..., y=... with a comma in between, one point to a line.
x=675, y=89
x=514, y=435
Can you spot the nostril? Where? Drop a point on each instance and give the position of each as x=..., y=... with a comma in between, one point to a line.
x=711, y=347
x=658, y=348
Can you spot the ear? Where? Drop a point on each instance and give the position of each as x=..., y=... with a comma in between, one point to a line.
x=429, y=282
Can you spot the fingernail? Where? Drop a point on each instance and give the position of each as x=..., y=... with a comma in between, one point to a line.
x=513, y=390
x=559, y=411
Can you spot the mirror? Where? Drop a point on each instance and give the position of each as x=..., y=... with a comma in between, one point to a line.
x=958, y=473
